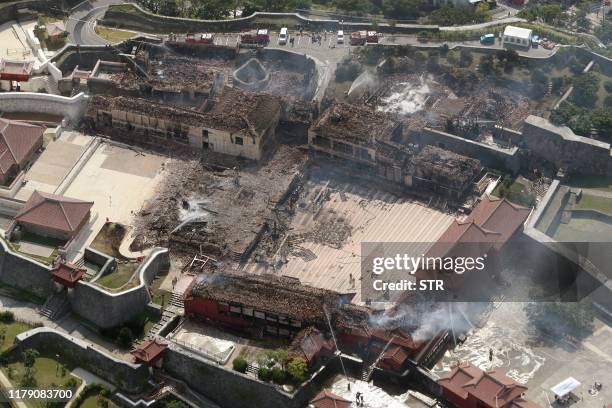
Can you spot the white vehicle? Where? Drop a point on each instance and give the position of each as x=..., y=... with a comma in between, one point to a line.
x=340, y=38
x=283, y=36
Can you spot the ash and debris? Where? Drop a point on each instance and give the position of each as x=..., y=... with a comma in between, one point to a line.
x=333, y=232
x=174, y=72
x=215, y=210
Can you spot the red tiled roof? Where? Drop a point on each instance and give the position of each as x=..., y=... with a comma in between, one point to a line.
x=326, y=399
x=148, y=350
x=500, y=215
x=67, y=271
x=16, y=67
x=311, y=342
x=492, y=222
x=55, y=28
x=53, y=211
x=492, y=388
x=16, y=140
x=396, y=354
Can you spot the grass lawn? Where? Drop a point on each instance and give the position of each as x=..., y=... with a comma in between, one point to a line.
x=114, y=35
x=603, y=183
x=11, y=330
x=92, y=402
x=119, y=277
x=590, y=202
x=160, y=296
x=517, y=193
x=46, y=372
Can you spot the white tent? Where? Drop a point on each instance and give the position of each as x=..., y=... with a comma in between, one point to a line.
x=565, y=387
x=517, y=35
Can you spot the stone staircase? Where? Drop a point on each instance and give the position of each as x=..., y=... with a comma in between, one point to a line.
x=51, y=85
x=173, y=309
x=176, y=300
x=55, y=306
x=252, y=369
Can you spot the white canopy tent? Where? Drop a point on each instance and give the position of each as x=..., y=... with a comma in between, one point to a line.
x=565, y=387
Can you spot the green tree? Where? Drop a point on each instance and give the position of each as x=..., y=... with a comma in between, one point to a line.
x=264, y=374
x=465, y=58
x=279, y=375
x=210, y=9
x=539, y=83
x=604, y=31
x=29, y=358
x=602, y=119
x=585, y=90
x=402, y=9
x=240, y=364
x=354, y=6
x=281, y=356
x=298, y=369
x=175, y=404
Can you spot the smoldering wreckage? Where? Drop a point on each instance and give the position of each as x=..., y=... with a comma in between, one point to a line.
x=244, y=151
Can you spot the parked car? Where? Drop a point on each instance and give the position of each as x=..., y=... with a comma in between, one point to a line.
x=487, y=39
x=340, y=37
x=283, y=36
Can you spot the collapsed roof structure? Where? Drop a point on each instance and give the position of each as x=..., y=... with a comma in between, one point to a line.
x=375, y=138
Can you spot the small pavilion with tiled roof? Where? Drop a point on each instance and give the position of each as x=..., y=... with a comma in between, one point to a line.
x=67, y=274
x=327, y=399
x=53, y=216
x=148, y=351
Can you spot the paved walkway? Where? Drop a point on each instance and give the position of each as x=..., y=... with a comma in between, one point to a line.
x=595, y=192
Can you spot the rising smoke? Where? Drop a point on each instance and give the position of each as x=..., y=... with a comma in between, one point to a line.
x=425, y=320
x=407, y=98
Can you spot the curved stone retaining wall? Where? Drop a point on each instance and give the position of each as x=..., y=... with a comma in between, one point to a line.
x=134, y=17
x=125, y=375
x=71, y=108
x=106, y=309
x=18, y=271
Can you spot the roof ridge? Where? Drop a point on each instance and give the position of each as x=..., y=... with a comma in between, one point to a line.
x=61, y=205
x=8, y=145
x=20, y=214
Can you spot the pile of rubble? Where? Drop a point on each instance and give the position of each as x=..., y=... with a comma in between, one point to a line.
x=218, y=213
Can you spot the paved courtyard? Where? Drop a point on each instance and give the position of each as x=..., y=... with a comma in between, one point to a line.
x=118, y=180
x=54, y=164
x=538, y=361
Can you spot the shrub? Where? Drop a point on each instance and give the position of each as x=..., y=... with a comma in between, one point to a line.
x=264, y=374
x=240, y=364
x=279, y=376
x=7, y=316
x=298, y=369
x=71, y=383
x=608, y=86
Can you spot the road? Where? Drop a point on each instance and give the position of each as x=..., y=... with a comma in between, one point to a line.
x=82, y=21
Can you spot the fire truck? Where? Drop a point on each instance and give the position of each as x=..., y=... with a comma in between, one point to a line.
x=358, y=37
x=206, y=38
x=372, y=37
x=255, y=38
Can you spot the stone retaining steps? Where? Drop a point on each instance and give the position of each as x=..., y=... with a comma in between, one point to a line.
x=176, y=300
x=252, y=369
x=55, y=306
